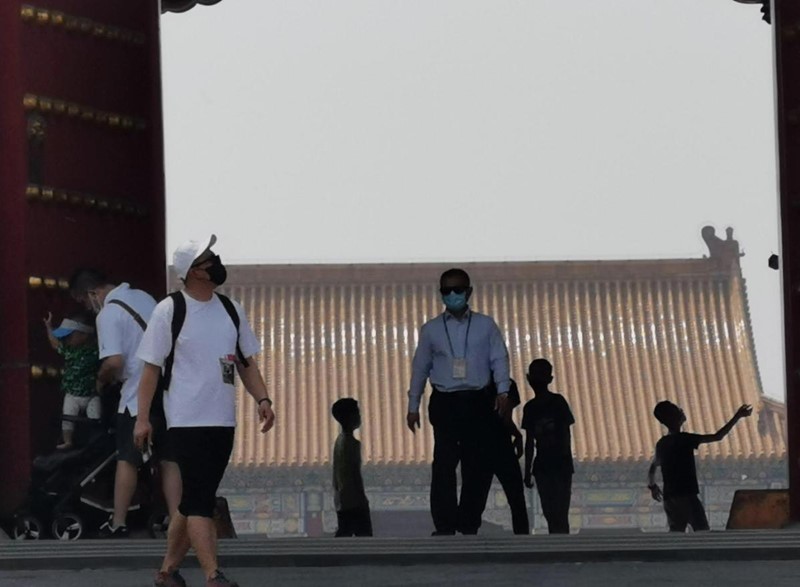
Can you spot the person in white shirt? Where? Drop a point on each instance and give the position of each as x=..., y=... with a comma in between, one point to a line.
x=122, y=315
x=465, y=357
x=199, y=398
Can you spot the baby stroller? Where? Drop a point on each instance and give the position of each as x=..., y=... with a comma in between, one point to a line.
x=72, y=491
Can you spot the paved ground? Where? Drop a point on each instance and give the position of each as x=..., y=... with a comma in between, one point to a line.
x=618, y=574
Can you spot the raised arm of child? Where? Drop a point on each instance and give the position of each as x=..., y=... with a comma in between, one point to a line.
x=743, y=412
x=48, y=324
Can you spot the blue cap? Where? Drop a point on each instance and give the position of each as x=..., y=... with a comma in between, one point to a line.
x=68, y=326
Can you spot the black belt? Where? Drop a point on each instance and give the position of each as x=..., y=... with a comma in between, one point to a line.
x=481, y=390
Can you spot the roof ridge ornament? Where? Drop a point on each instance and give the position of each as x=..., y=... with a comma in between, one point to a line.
x=766, y=8
x=726, y=251
x=184, y=5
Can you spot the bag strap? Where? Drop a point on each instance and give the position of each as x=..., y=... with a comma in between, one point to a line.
x=134, y=314
x=178, y=318
x=231, y=310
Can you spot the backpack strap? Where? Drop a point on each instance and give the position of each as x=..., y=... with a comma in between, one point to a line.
x=178, y=318
x=134, y=314
x=157, y=407
x=231, y=310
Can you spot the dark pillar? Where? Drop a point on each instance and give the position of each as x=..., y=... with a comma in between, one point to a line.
x=786, y=19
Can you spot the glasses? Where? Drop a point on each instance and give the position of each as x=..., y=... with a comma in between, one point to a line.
x=448, y=290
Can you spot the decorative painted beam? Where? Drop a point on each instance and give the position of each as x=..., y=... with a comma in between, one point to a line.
x=70, y=23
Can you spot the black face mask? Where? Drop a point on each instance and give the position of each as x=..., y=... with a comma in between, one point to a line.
x=217, y=272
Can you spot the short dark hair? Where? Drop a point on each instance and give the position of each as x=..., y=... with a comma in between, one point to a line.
x=86, y=318
x=455, y=272
x=665, y=412
x=540, y=369
x=86, y=278
x=344, y=409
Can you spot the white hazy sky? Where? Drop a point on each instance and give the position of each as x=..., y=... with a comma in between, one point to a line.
x=465, y=130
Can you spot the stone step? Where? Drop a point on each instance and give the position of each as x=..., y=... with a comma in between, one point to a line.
x=265, y=552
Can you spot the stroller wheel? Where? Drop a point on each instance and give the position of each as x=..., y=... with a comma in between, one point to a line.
x=27, y=528
x=67, y=526
x=157, y=525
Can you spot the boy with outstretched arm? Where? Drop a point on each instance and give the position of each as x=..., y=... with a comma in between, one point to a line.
x=675, y=456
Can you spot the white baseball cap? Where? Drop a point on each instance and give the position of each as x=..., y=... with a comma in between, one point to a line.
x=185, y=255
x=68, y=326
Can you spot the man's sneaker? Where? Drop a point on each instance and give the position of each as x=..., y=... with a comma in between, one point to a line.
x=220, y=580
x=109, y=531
x=172, y=579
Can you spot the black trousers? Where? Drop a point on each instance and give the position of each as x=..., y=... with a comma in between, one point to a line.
x=555, y=493
x=685, y=510
x=355, y=522
x=461, y=423
x=504, y=465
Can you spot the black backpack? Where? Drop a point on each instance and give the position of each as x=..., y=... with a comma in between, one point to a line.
x=178, y=318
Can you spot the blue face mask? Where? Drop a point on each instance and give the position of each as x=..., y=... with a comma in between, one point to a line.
x=455, y=302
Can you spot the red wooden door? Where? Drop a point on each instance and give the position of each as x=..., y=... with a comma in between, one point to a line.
x=81, y=184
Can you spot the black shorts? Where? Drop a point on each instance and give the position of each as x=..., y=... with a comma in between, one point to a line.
x=126, y=449
x=202, y=455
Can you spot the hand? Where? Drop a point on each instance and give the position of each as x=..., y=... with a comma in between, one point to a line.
x=744, y=411
x=48, y=322
x=142, y=434
x=518, y=450
x=529, y=481
x=501, y=404
x=266, y=416
x=412, y=421
x=655, y=491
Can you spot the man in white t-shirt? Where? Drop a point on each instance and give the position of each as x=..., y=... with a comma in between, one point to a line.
x=122, y=315
x=199, y=398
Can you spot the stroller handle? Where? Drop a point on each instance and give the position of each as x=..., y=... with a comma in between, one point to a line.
x=80, y=419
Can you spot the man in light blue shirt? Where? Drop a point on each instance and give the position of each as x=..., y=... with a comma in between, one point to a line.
x=465, y=357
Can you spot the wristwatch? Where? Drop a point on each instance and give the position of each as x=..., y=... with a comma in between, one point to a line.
x=265, y=399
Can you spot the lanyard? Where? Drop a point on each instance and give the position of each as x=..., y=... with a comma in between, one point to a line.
x=449, y=340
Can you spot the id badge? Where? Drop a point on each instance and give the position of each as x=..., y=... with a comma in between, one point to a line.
x=459, y=368
x=227, y=367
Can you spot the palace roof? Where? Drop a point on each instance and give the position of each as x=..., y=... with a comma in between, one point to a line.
x=621, y=335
